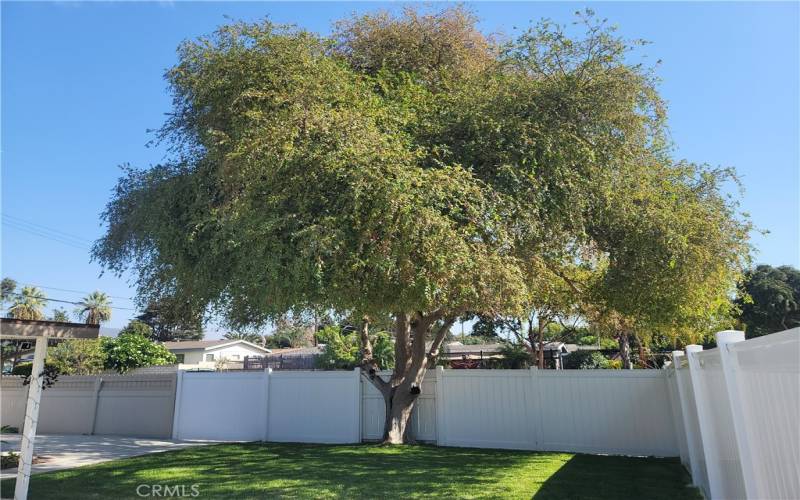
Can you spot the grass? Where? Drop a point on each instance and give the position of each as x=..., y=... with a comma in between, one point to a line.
x=269, y=470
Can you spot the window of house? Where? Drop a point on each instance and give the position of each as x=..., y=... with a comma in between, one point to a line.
x=179, y=357
x=234, y=356
x=209, y=357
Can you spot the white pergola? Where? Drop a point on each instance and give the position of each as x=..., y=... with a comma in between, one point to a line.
x=40, y=331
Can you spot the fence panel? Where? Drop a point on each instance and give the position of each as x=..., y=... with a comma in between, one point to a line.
x=769, y=387
x=68, y=406
x=12, y=409
x=314, y=407
x=138, y=405
x=224, y=406
x=718, y=436
x=606, y=411
x=486, y=409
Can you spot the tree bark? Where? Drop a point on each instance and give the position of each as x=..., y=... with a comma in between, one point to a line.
x=540, y=361
x=625, y=350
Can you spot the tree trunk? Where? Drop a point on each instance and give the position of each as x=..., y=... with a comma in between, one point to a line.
x=412, y=360
x=625, y=350
x=540, y=362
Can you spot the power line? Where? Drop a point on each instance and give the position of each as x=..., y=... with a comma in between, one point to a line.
x=46, y=232
x=14, y=218
x=45, y=299
x=74, y=291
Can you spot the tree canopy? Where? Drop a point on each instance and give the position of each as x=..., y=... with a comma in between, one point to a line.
x=771, y=299
x=409, y=166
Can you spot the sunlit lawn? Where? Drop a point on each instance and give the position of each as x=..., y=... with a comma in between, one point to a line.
x=269, y=470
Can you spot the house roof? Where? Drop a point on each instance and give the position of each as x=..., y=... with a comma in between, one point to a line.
x=190, y=345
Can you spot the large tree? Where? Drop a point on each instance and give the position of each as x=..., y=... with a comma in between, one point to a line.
x=770, y=301
x=409, y=167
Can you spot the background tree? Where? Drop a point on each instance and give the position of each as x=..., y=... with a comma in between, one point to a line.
x=7, y=288
x=94, y=309
x=408, y=167
x=170, y=321
x=60, y=314
x=130, y=351
x=770, y=301
x=28, y=304
x=251, y=337
x=136, y=327
x=77, y=357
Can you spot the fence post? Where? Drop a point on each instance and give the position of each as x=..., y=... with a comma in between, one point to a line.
x=98, y=383
x=730, y=369
x=439, y=407
x=176, y=412
x=265, y=395
x=704, y=420
x=357, y=388
x=686, y=428
x=535, y=406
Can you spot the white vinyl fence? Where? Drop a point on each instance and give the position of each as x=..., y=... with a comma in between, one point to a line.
x=737, y=412
x=289, y=406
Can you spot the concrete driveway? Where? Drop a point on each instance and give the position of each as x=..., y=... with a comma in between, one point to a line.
x=56, y=452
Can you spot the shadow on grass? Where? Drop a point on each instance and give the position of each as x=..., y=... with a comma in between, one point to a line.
x=259, y=470
x=600, y=477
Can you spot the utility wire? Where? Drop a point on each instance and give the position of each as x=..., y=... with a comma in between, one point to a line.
x=74, y=291
x=46, y=232
x=45, y=299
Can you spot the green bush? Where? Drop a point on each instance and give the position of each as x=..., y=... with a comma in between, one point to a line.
x=514, y=357
x=131, y=350
x=77, y=357
x=586, y=360
x=9, y=460
x=605, y=343
x=341, y=349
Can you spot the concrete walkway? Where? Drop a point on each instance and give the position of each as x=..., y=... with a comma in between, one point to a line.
x=57, y=452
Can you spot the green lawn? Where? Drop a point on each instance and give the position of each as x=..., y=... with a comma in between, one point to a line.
x=257, y=470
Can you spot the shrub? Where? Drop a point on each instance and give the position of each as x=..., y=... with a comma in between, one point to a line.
x=514, y=357
x=77, y=357
x=131, y=350
x=586, y=360
x=9, y=460
x=341, y=349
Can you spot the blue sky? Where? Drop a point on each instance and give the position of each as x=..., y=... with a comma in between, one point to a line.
x=82, y=84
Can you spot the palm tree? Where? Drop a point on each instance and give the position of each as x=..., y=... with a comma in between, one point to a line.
x=28, y=304
x=94, y=308
x=253, y=338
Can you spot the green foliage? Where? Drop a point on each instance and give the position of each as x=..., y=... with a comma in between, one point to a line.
x=341, y=351
x=77, y=356
x=383, y=350
x=7, y=288
x=130, y=351
x=94, y=309
x=515, y=357
x=605, y=342
x=170, y=320
x=28, y=304
x=410, y=164
x=477, y=339
x=487, y=326
x=587, y=360
x=251, y=337
x=9, y=460
x=770, y=301
x=7, y=429
x=60, y=314
x=137, y=327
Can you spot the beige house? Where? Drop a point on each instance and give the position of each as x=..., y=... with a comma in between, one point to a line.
x=213, y=354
